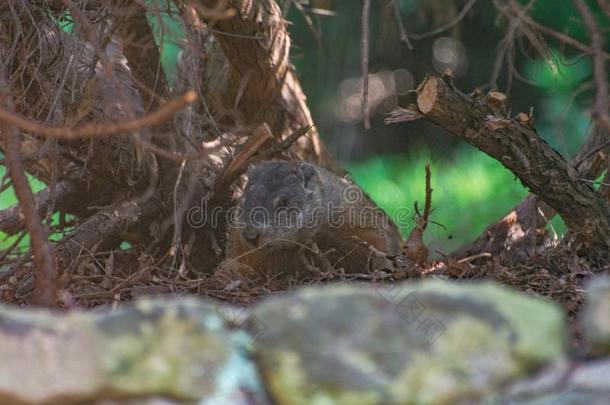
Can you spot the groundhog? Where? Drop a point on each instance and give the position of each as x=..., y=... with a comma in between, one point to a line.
x=288, y=208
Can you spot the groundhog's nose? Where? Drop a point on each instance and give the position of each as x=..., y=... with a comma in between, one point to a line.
x=251, y=235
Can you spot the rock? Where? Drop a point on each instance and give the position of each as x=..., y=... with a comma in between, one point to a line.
x=47, y=356
x=594, y=376
x=568, y=397
x=427, y=343
x=140, y=401
x=586, y=384
x=596, y=318
x=155, y=348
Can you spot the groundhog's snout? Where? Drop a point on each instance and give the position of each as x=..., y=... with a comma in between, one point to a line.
x=251, y=235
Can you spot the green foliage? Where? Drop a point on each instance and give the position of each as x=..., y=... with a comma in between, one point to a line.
x=556, y=74
x=469, y=193
x=8, y=199
x=168, y=31
x=406, y=7
x=64, y=21
x=562, y=124
x=560, y=15
x=562, y=120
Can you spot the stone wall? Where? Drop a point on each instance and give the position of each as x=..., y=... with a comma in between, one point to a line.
x=431, y=342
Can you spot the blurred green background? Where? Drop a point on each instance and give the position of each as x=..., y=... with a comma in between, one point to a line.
x=471, y=190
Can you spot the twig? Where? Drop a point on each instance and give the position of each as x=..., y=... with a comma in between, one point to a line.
x=450, y=24
x=99, y=130
x=600, y=109
x=237, y=166
x=605, y=6
x=45, y=285
x=399, y=114
x=589, y=155
x=422, y=223
x=600, y=183
x=11, y=218
x=474, y=257
x=173, y=156
x=414, y=247
x=286, y=8
x=365, y=63
x=285, y=144
x=180, y=207
x=12, y=247
x=136, y=35
x=516, y=11
x=309, y=22
x=220, y=11
x=104, y=229
x=177, y=217
x=428, y=203
x=89, y=30
x=404, y=37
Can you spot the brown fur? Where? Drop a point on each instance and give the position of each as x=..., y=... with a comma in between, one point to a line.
x=285, y=249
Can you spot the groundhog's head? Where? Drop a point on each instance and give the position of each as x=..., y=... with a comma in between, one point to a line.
x=281, y=204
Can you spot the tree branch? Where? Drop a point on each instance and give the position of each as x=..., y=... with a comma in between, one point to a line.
x=45, y=285
x=517, y=230
x=99, y=130
x=600, y=76
x=104, y=229
x=11, y=219
x=366, y=7
x=141, y=51
x=263, y=85
x=256, y=44
x=479, y=121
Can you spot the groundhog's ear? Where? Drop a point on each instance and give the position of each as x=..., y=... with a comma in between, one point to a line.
x=306, y=172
